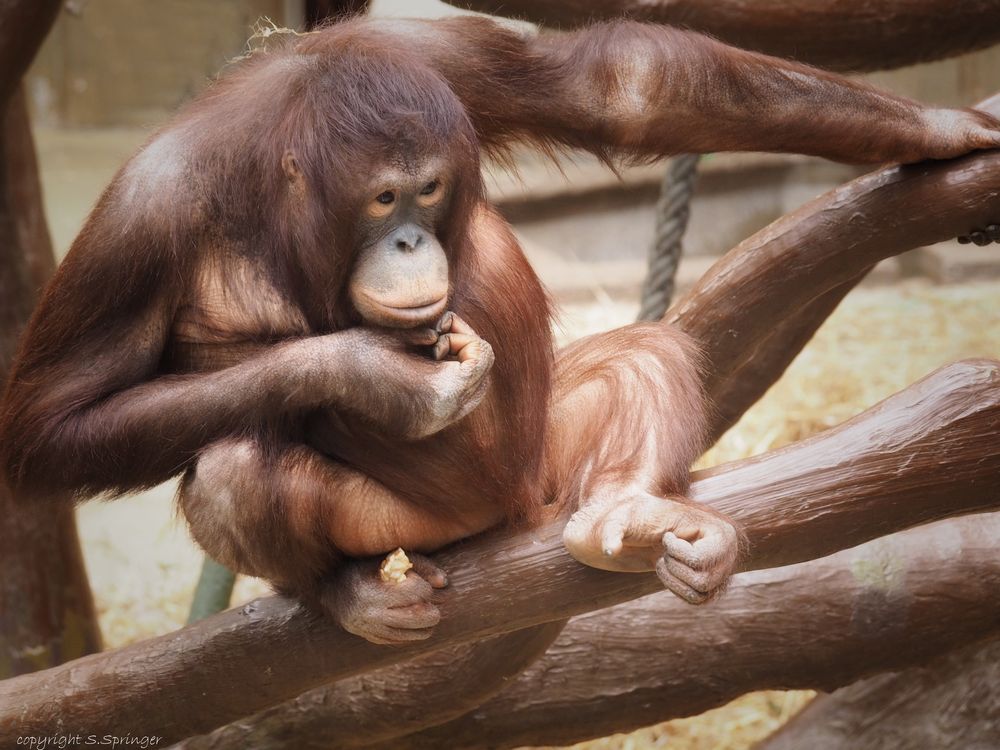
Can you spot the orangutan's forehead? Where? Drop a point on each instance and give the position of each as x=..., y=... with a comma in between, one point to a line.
x=403, y=168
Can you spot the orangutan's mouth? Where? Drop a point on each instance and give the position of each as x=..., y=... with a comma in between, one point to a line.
x=414, y=315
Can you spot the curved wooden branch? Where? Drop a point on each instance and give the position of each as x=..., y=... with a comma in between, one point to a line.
x=764, y=364
x=381, y=706
x=927, y=453
x=918, y=426
x=949, y=702
x=832, y=34
x=827, y=244
x=820, y=625
x=761, y=303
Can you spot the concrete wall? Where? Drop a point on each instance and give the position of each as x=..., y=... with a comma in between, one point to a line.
x=131, y=62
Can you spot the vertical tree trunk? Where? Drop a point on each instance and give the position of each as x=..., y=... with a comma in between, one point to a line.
x=46, y=608
x=22, y=245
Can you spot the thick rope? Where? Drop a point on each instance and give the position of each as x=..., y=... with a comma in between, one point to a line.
x=672, y=211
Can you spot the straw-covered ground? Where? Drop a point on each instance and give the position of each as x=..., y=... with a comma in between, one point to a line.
x=143, y=565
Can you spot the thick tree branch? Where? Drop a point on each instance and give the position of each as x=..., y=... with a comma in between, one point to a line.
x=828, y=244
x=762, y=366
x=951, y=701
x=832, y=34
x=927, y=453
x=820, y=625
x=383, y=705
x=724, y=310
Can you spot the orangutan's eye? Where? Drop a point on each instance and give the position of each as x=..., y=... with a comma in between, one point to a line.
x=386, y=198
x=431, y=194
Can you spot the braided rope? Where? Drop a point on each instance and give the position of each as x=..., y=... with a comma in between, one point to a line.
x=672, y=212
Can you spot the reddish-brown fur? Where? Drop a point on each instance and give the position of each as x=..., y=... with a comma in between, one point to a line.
x=194, y=313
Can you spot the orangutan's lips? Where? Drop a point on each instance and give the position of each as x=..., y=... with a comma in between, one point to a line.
x=412, y=316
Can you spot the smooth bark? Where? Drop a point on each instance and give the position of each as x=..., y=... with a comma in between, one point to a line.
x=892, y=603
x=756, y=290
x=391, y=702
x=761, y=303
x=951, y=701
x=762, y=366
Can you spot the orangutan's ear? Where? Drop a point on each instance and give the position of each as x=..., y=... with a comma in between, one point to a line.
x=290, y=165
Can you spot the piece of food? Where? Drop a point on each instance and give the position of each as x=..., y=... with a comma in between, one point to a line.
x=394, y=566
